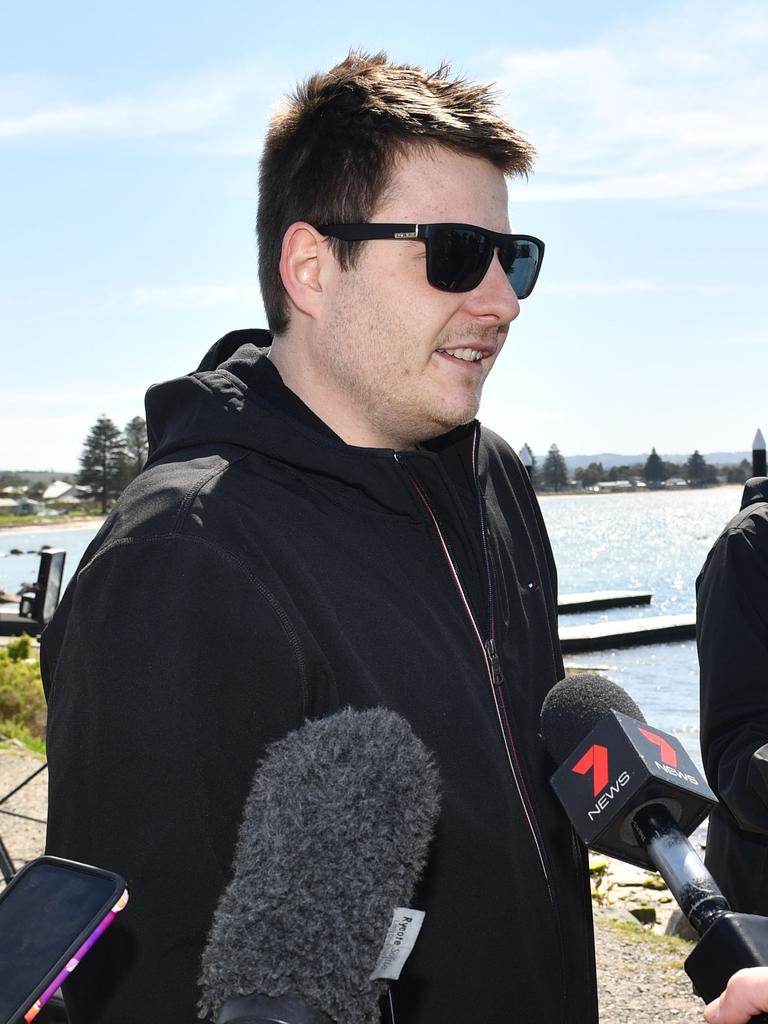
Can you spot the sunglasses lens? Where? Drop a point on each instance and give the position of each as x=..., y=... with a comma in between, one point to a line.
x=457, y=259
x=520, y=261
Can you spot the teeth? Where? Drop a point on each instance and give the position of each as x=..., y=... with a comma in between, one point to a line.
x=471, y=355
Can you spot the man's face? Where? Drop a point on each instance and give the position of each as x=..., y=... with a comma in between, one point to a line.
x=401, y=360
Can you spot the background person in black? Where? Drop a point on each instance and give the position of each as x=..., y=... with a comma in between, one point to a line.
x=732, y=633
x=322, y=523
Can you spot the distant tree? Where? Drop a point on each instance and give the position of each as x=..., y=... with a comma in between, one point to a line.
x=590, y=475
x=697, y=472
x=11, y=480
x=136, y=445
x=37, y=489
x=653, y=471
x=739, y=473
x=554, y=472
x=673, y=469
x=102, y=462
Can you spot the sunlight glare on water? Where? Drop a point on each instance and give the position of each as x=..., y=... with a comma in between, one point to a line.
x=649, y=541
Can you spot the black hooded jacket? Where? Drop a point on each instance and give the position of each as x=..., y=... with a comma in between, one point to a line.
x=259, y=572
x=732, y=633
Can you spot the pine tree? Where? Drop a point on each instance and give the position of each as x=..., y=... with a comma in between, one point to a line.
x=136, y=445
x=697, y=472
x=554, y=472
x=102, y=462
x=654, y=469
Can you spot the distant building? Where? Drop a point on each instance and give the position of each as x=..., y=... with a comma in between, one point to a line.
x=614, y=485
x=64, y=493
x=20, y=505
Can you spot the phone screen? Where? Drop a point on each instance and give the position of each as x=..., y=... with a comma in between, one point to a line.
x=46, y=914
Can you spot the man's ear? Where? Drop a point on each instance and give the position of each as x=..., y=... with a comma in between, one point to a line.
x=301, y=257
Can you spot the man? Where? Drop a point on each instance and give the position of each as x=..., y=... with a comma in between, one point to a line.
x=323, y=523
x=732, y=633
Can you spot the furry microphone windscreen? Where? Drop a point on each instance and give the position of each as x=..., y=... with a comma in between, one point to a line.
x=575, y=705
x=334, y=836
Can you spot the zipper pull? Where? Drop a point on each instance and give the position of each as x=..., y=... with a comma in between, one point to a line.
x=494, y=661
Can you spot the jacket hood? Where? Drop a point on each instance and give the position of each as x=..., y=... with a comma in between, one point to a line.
x=755, y=489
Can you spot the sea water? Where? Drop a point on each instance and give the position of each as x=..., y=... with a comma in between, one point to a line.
x=651, y=541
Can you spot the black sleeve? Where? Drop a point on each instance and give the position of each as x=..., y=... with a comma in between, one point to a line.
x=169, y=668
x=732, y=633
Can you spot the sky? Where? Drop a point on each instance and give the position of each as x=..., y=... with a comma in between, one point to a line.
x=129, y=146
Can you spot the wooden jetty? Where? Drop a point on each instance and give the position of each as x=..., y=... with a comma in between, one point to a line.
x=599, y=636
x=599, y=599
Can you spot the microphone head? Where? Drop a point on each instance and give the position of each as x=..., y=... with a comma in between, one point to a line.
x=612, y=764
x=575, y=705
x=334, y=837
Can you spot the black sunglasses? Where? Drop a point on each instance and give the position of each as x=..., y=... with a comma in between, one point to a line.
x=458, y=255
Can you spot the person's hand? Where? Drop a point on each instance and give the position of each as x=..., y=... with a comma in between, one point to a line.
x=745, y=996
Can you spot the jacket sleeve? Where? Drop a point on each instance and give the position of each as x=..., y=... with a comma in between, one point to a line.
x=732, y=634
x=168, y=668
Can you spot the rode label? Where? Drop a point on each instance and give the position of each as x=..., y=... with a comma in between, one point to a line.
x=400, y=940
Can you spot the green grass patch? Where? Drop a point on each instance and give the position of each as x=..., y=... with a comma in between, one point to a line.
x=677, y=948
x=23, y=712
x=51, y=521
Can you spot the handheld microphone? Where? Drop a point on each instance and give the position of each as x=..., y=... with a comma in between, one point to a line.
x=334, y=837
x=632, y=791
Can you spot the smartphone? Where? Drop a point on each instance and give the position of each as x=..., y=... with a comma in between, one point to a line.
x=51, y=913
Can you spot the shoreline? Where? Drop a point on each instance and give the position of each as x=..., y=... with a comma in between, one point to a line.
x=587, y=493
x=53, y=524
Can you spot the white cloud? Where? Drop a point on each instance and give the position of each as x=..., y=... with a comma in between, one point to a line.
x=194, y=106
x=666, y=108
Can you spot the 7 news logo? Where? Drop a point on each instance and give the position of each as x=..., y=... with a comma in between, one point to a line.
x=596, y=760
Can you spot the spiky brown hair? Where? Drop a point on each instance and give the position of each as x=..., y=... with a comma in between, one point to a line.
x=331, y=149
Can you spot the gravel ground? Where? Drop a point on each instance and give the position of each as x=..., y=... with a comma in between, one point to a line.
x=641, y=978
x=640, y=974
x=24, y=839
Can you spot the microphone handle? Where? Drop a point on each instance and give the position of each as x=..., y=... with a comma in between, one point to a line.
x=257, y=1009
x=728, y=941
x=673, y=856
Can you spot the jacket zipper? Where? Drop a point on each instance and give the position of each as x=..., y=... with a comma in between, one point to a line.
x=494, y=662
x=493, y=668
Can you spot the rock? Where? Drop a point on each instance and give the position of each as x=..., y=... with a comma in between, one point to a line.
x=679, y=926
x=654, y=882
x=598, y=865
x=614, y=913
x=645, y=915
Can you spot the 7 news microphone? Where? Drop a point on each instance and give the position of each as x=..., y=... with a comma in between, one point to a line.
x=334, y=837
x=632, y=792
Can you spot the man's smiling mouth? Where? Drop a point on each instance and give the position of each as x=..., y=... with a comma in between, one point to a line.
x=469, y=355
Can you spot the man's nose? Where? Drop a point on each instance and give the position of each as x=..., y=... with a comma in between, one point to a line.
x=494, y=297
